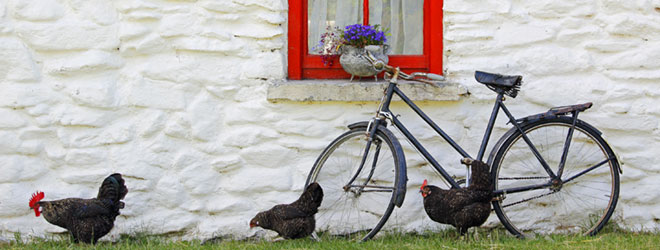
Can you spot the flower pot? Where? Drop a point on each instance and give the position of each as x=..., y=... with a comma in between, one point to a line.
x=353, y=63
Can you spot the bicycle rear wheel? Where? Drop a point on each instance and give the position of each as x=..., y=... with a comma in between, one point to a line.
x=582, y=204
x=357, y=209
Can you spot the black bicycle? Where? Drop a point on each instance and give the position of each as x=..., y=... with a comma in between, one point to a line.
x=552, y=172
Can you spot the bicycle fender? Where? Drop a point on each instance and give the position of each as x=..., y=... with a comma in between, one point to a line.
x=548, y=115
x=403, y=177
x=358, y=124
x=524, y=124
x=498, y=144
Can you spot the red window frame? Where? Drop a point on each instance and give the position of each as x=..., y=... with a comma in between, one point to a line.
x=302, y=65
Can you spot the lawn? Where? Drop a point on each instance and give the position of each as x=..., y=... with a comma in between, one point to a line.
x=484, y=239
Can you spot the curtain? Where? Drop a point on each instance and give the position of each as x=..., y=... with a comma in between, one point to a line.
x=403, y=20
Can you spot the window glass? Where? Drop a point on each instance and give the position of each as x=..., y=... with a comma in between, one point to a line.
x=333, y=13
x=403, y=21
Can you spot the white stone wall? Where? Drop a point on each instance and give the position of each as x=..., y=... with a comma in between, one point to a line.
x=172, y=94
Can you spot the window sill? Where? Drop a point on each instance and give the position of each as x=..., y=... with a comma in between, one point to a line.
x=359, y=91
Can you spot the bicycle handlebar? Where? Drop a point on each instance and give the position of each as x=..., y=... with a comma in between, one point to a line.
x=379, y=65
x=435, y=77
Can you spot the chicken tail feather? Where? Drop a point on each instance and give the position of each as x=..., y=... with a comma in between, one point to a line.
x=36, y=197
x=113, y=188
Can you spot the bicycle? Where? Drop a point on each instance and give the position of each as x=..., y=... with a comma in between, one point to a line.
x=552, y=172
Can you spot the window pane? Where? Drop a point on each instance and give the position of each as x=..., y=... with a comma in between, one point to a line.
x=334, y=13
x=403, y=20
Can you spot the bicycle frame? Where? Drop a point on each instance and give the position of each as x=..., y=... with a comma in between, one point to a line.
x=511, y=150
x=385, y=112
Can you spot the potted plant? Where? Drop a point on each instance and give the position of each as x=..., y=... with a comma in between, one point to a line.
x=351, y=44
x=357, y=40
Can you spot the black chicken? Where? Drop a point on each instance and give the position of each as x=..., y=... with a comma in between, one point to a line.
x=295, y=220
x=86, y=219
x=462, y=208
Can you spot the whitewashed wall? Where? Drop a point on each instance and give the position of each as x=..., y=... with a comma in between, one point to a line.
x=172, y=94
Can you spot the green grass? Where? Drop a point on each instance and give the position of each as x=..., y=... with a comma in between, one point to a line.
x=485, y=239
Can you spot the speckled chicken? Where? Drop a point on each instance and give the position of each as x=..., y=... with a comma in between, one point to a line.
x=462, y=208
x=87, y=220
x=295, y=220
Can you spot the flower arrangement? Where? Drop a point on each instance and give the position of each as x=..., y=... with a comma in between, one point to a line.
x=359, y=35
x=328, y=46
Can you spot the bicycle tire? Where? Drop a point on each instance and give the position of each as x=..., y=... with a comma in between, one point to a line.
x=582, y=205
x=361, y=214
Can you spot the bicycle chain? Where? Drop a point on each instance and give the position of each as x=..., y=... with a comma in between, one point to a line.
x=528, y=199
x=522, y=178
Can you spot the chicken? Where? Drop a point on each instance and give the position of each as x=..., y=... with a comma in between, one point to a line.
x=295, y=220
x=87, y=220
x=462, y=208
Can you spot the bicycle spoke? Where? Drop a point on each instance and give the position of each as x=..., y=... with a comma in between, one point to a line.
x=592, y=188
x=587, y=170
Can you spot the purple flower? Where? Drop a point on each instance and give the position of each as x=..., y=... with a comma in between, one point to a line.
x=361, y=35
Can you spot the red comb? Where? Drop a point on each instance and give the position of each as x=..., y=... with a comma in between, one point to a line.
x=423, y=184
x=36, y=197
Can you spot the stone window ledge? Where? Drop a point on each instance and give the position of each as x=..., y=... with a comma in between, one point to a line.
x=360, y=91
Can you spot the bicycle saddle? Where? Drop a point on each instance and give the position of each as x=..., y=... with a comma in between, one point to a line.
x=496, y=82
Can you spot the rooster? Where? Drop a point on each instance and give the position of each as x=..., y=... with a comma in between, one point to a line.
x=87, y=220
x=295, y=220
x=462, y=208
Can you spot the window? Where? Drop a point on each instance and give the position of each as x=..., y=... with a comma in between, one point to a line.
x=415, y=27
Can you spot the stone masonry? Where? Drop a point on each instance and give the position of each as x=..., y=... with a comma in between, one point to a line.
x=173, y=95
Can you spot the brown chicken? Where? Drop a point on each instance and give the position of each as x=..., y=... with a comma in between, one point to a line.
x=295, y=220
x=462, y=208
x=87, y=220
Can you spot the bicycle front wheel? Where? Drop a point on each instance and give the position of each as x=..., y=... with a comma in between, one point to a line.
x=581, y=203
x=359, y=195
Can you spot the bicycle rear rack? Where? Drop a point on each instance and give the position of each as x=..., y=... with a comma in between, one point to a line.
x=557, y=111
